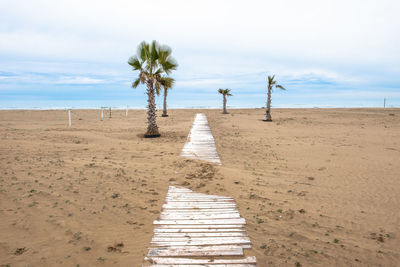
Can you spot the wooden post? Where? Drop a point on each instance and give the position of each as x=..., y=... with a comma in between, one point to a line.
x=102, y=115
x=126, y=113
x=69, y=117
x=110, y=112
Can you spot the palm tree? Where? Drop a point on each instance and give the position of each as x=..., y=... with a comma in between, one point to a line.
x=271, y=84
x=166, y=83
x=224, y=93
x=152, y=61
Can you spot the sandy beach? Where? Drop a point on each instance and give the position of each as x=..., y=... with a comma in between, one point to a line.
x=317, y=187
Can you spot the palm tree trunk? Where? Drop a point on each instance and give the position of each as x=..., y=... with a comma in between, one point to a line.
x=152, y=129
x=268, y=111
x=164, y=114
x=225, y=112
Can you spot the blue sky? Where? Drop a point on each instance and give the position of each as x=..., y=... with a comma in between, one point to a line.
x=58, y=54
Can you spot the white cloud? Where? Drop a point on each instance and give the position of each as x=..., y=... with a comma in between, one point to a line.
x=79, y=80
x=217, y=43
x=319, y=30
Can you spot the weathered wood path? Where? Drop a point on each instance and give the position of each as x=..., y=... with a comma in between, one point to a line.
x=200, y=142
x=196, y=229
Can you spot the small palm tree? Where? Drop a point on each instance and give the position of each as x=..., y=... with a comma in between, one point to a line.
x=224, y=93
x=271, y=84
x=152, y=61
x=166, y=83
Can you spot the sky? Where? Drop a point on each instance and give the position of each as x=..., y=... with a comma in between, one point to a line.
x=73, y=54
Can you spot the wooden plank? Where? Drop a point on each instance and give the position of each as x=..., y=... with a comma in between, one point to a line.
x=201, y=244
x=200, y=222
x=203, y=226
x=158, y=260
x=198, y=206
x=197, y=251
x=227, y=210
x=204, y=203
x=198, y=241
x=186, y=238
x=203, y=265
x=201, y=202
x=203, y=216
x=168, y=206
x=199, y=212
x=196, y=203
x=193, y=194
x=200, y=230
x=200, y=142
x=199, y=209
x=213, y=200
x=192, y=235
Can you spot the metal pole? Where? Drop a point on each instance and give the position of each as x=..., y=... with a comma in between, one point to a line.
x=126, y=113
x=69, y=117
x=110, y=112
x=384, y=102
x=102, y=116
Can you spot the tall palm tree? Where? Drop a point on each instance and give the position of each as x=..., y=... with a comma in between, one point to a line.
x=152, y=61
x=224, y=93
x=271, y=84
x=166, y=83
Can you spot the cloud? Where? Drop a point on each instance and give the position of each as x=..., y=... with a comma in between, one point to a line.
x=309, y=45
x=319, y=30
x=79, y=80
x=59, y=78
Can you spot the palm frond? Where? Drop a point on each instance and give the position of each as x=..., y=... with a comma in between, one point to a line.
x=165, y=49
x=135, y=63
x=158, y=71
x=271, y=80
x=167, y=62
x=225, y=91
x=143, y=51
x=154, y=52
x=158, y=87
x=280, y=87
x=136, y=83
x=169, y=65
x=167, y=82
x=164, y=52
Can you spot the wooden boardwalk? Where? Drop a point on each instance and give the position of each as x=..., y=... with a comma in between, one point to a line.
x=196, y=229
x=200, y=142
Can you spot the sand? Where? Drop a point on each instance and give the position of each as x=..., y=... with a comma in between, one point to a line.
x=317, y=187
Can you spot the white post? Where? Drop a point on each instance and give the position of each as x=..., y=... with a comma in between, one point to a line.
x=126, y=113
x=102, y=115
x=69, y=117
x=384, y=102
